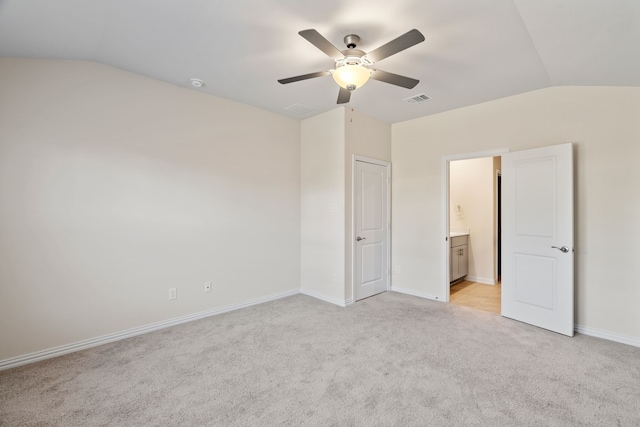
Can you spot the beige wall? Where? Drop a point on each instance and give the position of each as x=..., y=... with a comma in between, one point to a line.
x=116, y=187
x=471, y=186
x=329, y=141
x=603, y=124
x=368, y=137
x=322, y=206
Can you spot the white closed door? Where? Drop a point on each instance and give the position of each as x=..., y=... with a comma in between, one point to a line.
x=537, y=237
x=371, y=223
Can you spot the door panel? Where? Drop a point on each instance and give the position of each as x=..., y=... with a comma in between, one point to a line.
x=371, y=269
x=372, y=188
x=537, y=279
x=535, y=196
x=371, y=263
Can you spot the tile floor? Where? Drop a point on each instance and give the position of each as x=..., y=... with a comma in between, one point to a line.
x=476, y=295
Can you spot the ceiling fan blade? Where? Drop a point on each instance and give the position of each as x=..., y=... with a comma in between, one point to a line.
x=304, y=77
x=316, y=39
x=344, y=96
x=394, y=79
x=399, y=44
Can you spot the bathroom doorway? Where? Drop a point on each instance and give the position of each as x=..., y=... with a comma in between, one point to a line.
x=472, y=210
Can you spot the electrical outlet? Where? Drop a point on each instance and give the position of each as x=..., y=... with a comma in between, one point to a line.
x=207, y=287
x=173, y=293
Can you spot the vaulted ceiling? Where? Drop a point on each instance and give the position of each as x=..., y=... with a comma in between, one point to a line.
x=475, y=50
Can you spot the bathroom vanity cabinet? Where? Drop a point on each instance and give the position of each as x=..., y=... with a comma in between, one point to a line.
x=459, y=258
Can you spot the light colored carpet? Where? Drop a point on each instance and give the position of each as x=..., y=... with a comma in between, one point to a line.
x=388, y=360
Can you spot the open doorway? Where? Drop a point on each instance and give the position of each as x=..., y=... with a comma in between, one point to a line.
x=471, y=211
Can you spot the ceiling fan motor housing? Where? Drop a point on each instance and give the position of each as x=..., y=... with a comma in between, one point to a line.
x=351, y=40
x=352, y=56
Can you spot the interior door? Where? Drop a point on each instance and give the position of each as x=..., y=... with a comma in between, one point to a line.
x=371, y=222
x=537, y=237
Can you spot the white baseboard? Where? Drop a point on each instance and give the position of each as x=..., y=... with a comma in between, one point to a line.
x=415, y=293
x=332, y=300
x=607, y=335
x=105, y=339
x=483, y=280
x=94, y=342
x=578, y=328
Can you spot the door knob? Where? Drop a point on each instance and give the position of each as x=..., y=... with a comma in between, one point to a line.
x=563, y=249
x=360, y=238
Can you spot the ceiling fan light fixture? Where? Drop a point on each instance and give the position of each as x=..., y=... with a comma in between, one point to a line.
x=351, y=76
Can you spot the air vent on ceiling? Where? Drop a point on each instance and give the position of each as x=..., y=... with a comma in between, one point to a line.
x=298, y=109
x=416, y=99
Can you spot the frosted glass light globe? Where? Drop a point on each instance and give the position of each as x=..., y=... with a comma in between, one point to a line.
x=351, y=76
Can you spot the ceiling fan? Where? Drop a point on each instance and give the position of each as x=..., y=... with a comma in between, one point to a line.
x=353, y=67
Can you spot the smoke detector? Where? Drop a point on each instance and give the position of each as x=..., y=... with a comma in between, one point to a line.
x=196, y=82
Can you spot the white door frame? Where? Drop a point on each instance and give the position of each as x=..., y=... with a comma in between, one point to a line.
x=356, y=158
x=496, y=206
x=444, y=207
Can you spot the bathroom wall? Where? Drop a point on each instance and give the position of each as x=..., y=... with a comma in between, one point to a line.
x=472, y=206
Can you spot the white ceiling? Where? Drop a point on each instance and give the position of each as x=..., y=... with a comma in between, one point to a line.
x=475, y=50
